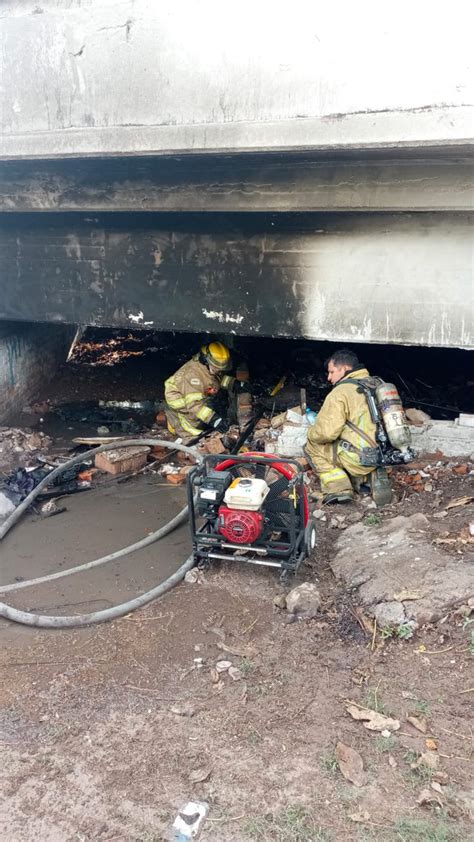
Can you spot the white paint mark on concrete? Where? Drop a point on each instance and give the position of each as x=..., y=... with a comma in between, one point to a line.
x=221, y=317
x=138, y=319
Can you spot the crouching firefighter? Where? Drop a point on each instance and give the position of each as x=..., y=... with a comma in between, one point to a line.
x=360, y=428
x=189, y=392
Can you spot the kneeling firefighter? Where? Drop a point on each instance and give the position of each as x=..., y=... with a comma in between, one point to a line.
x=189, y=392
x=360, y=428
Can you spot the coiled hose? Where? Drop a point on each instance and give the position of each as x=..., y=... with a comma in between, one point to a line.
x=54, y=622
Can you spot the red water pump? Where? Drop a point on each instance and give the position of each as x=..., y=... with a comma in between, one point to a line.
x=251, y=507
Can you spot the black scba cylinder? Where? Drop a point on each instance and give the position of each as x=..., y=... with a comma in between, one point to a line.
x=212, y=489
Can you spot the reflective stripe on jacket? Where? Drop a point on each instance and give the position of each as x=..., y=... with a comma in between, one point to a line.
x=188, y=391
x=344, y=403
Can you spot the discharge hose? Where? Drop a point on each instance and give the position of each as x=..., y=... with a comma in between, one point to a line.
x=44, y=621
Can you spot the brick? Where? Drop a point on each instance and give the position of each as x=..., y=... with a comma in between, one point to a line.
x=123, y=460
x=461, y=470
x=176, y=479
x=213, y=445
x=159, y=452
x=161, y=419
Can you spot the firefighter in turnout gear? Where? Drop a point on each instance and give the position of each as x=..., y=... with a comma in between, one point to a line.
x=189, y=392
x=342, y=429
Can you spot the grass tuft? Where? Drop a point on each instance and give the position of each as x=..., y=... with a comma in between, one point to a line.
x=293, y=824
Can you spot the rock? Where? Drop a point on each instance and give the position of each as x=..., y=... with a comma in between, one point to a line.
x=417, y=416
x=223, y=666
x=389, y=614
x=186, y=709
x=442, y=582
x=419, y=521
x=280, y=601
x=304, y=601
x=192, y=576
x=198, y=776
x=103, y=431
x=234, y=673
x=338, y=522
x=354, y=517
x=428, y=797
x=51, y=508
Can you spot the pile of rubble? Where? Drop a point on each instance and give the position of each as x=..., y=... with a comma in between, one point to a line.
x=21, y=447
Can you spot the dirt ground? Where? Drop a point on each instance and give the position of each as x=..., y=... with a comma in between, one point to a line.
x=108, y=731
x=96, y=744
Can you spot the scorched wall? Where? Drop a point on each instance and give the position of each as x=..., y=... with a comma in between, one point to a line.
x=388, y=278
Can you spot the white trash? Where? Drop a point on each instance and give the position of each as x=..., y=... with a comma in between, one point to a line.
x=188, y=822
x=292, y=440
x=6, y=506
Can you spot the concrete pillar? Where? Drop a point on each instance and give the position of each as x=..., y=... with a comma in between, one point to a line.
x=29, y=357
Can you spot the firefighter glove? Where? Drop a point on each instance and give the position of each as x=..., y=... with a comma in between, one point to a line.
x=219, y=424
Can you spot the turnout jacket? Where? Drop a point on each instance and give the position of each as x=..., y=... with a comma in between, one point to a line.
x=344, y=403
x=189, y=391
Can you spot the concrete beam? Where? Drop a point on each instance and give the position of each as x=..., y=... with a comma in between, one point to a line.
x=401, y=278
x=140, y=77
x=238, y=184
x=439, y=128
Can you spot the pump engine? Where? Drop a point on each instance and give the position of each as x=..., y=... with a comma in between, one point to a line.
x=239, y=503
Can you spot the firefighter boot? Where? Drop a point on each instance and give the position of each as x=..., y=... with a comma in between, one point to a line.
x=381, y=487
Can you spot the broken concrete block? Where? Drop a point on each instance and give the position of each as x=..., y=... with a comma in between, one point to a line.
x=417, y=416
x=448, y=438
x=304, y=601
x=465, y=420
x=122, y=460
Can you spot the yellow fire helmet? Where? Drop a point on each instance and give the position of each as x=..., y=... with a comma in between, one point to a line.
x=216, y=354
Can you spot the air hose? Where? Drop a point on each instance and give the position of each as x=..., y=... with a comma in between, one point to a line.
x=44, y=621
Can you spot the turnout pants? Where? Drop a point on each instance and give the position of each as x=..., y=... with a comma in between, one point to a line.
x=335, y=466
x=181, y=426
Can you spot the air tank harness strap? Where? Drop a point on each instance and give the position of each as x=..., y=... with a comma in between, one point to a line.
x=355, y=429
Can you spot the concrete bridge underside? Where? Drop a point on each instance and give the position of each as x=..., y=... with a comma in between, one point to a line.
x=279, y=172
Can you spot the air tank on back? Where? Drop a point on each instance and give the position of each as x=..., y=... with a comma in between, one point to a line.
x=393, y=415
